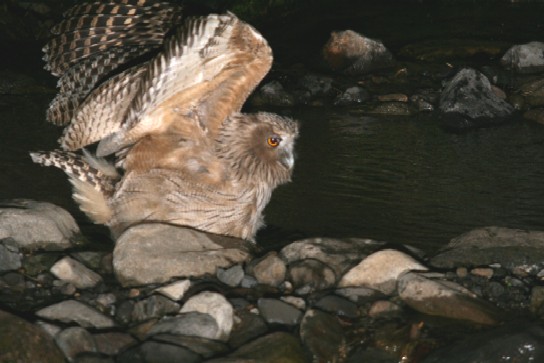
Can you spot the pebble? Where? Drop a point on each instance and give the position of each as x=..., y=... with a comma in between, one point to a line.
x=231, y=276
x=191, y=324
x=270, y=270
x=216, y=306
x=74, y=272
x=74, y=311
x=75, y=340
x=482, y=272
x=154, y=306
x=176, y=290
x=310, y=275
x=275, y=311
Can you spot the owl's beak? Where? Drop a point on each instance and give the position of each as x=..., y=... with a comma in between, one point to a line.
x=288, y=160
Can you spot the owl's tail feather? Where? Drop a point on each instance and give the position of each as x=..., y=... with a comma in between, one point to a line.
x=93, y=180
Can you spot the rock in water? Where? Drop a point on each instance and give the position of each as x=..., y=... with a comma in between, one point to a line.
x=468, y=102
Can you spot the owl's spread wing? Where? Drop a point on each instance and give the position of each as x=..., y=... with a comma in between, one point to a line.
x=204, y=74
x=97, y=38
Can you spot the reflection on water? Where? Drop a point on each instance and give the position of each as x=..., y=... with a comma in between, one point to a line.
x=407, y=181
x=394, y=179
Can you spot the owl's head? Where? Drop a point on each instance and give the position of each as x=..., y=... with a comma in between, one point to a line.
x=259, y=147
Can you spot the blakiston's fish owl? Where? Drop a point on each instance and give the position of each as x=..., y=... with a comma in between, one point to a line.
x=165, y=103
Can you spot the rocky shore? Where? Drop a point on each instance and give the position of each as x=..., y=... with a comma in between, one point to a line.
x=168, y=294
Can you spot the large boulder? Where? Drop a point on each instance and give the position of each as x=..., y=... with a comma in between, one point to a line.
x=155, y=253
x=468, y=102
x=525, y=58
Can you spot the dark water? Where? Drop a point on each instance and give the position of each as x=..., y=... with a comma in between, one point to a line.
x=405, y=180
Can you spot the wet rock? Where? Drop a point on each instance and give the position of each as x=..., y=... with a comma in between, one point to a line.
x=338, y=254
x=151, y=351
x=206, y=348
x=231, y=276
x=522, y=342
x=351, y=96
x=248, y=282
x=488, y=245
x=338, y=305
x=247, y=326
x=33, y=225
x=296, y=301
x=271, y=348
x=525, y=58
x=270, y=270
x=380, y=271
x=323, y=335
x=467, y=101
x=88, y=357
x=311, y=275
x=216, y=306
x=175, y=290
x=272, y=94
x=532, y=93
x=90, y=259
x=155, y=306
x=75, y=340
x=10, y=257
x=353, y=53
x=536, y=115
x=155, y=253
x=444, y=298
x=21, y=341
x=113, y=343
x=384, y=309
x=275, y=311
x=359, y=295
x=191, y=324
x=74, y=272
x=392, y=109
x=537, y=300
x=311, y=87
x=74, y=311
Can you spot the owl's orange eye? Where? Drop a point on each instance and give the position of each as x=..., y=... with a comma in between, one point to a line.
x=273, y=141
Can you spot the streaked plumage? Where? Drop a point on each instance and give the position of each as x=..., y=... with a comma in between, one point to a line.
x=171, y=118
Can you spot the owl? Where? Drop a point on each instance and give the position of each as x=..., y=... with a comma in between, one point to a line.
x=159, y=101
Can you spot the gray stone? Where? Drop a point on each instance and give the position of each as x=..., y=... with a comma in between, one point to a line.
x=278, y=312
x=445, y=298
x=216, y=306
x=248, y=282
x=525, y=58
x=323, y=335
x=485, y=246
x=359, y=295
x=74, y=311
x=310, y=275
x=155, y=253
x=338, y=305
x=75, y=340
x=90, y=259
x=339, y=254
x=468, y=101
x=231, y=276
x=113, y=343
x=10, y=257
x=191, y=324
x=206, y=348
x=21, y=341
x=35, y=225
x=273, y=94
x=352, y=95
x=312, y=86
x=74, y=272
x=270, y=270
x=380, y=271
x=155, y=352
x=155, y=306
x=175, y=290
x=247, y=326
x=38, y=263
